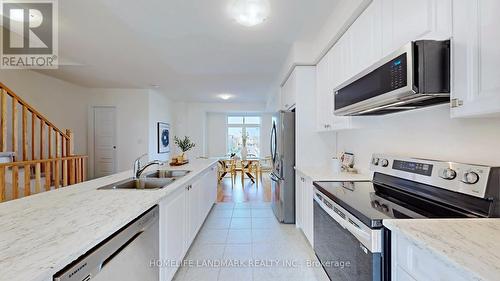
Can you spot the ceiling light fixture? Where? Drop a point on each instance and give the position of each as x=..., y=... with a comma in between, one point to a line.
x=249, y=12
x=225, y=96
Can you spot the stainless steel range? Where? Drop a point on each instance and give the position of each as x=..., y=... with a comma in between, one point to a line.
x=348, y=216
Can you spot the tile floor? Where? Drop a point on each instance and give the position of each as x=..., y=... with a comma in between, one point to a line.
x=254, y=246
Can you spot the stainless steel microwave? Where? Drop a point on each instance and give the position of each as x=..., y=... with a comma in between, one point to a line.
x=415, y=76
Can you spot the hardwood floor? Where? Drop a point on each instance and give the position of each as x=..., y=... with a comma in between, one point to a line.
x=246, y=192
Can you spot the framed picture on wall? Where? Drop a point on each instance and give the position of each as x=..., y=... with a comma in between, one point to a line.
x=163, y=137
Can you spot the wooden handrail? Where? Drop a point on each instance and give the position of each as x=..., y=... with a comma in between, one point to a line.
x=57, y=172
x=32, y=110
x=33, y=162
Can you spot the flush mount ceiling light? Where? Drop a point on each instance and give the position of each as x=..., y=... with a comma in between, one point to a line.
x=225, y=96
x=249, y=12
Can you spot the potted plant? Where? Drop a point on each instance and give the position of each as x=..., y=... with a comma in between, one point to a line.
x=184, y=145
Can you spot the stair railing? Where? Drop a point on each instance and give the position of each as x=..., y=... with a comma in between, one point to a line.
x=40, y=149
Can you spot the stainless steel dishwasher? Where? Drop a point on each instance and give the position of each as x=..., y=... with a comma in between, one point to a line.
x=129, y=254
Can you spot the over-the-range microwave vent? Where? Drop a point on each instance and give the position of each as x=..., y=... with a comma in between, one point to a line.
x=415, y=76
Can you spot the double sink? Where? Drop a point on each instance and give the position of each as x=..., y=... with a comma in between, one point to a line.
x=154, y=180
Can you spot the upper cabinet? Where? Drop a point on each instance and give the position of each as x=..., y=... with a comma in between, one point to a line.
x=365, y=39
x=476, y=56
x=289, y=92
x=357, y=49
x=329, y=73
x=387, y=25
x=384, y=27
x=408, y=20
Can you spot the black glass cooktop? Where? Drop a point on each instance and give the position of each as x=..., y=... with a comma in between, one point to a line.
x=372, y=202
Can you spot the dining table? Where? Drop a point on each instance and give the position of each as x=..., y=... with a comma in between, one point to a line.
x=244, y=165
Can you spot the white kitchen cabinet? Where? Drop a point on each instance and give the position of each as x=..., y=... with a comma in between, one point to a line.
x=304, y=191
x=209, y=193
x=173, y=223
x=289, y=92
x=358, y=48
x=407, y=20
x=193, y=200
x=410, y=262
x=365, y=39
x=201, y=195
x=298, y=199
x=329, y=74
x=476, y=56
x=324, y=95
x=182, y=214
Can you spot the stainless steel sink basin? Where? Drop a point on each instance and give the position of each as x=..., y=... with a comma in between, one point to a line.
x=142, y=183
x=168, y=174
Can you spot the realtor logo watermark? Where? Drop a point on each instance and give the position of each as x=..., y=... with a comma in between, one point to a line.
x=29, y=34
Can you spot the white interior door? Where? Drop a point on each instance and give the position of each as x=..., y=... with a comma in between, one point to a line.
x=104, y=141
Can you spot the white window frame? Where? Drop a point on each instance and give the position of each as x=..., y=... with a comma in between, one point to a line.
x=243, y=126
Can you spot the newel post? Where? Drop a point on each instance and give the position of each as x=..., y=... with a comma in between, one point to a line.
x=70, y=143
x=70, y=149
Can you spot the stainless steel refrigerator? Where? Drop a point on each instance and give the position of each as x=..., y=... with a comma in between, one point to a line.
x=283, y=158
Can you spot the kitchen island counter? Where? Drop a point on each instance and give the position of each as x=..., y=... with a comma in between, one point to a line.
x=41, y=234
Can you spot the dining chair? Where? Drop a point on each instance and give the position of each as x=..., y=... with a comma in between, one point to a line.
x=265, y=165
x=250, y=168
x=227, y=166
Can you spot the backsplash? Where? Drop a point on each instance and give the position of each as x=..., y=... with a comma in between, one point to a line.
x=426, y=133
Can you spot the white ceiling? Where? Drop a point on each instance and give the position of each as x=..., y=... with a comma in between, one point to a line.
x=191, y=48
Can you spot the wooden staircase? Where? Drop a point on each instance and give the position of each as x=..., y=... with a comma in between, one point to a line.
x=35, y=155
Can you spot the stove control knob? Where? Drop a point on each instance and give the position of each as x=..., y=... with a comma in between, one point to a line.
x=376, y=204
x=384, y=162
x=471, y=178
x=448, y=174
x=385, y=208
x=375, y=161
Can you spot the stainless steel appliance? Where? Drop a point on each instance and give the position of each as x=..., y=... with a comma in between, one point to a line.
x=128, y=255
x=283, y=159
x=348, y=215
x=415, y=76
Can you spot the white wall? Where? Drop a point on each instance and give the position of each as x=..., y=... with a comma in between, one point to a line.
x=217, y=134
x=191, y=120
x=138, y=111
x=426, y=133
x=160, y=109
x=265, y=134
x=62, y=103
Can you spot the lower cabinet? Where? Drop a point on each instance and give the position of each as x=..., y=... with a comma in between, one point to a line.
x=412, y=263
x=182, y=214
x=304, y=192
x=173, y=224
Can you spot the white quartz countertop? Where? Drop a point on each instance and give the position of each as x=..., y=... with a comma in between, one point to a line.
x=41, y=234
x=469, y=246
x=324, y=174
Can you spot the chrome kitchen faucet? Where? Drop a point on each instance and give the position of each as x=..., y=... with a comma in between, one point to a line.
x=138, y=170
